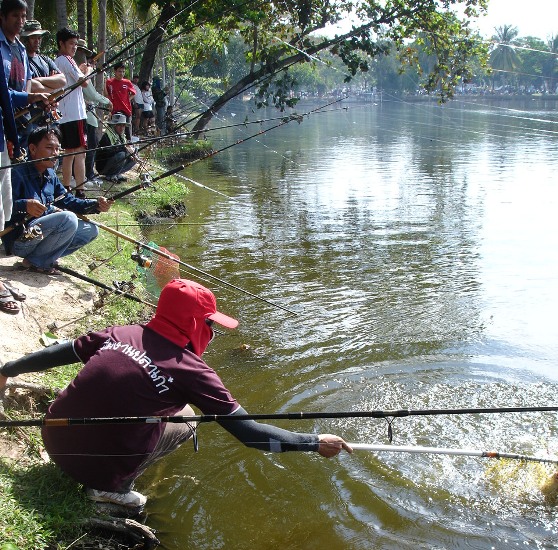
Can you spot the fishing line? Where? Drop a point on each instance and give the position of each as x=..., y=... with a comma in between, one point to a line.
x=184, y=264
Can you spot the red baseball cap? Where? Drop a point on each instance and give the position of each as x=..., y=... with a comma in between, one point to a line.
x=182, y=311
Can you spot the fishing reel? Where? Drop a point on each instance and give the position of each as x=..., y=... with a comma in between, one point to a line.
x=30, y=233
x=145, y=180
x=141, y=259
x=119, y=287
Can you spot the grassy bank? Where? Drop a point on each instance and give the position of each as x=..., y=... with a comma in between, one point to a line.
x=40, y=507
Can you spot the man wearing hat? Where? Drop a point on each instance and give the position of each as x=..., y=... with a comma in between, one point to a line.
x=147, y=370
x=43, y=69
x=45, y=76
x=83, y=53
x=114, y=156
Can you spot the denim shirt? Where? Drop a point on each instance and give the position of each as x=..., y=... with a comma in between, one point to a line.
x=8, y=129
x=19, y=98
x=28, y=183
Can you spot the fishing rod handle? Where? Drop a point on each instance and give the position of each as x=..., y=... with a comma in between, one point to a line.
x=125, y=192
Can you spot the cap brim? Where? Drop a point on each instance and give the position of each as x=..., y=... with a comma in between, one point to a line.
x=223, y=320
x=34, y=33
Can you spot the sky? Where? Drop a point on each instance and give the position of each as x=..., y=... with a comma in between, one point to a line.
x=537, y=18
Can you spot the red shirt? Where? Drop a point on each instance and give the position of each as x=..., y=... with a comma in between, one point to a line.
x=119, y=93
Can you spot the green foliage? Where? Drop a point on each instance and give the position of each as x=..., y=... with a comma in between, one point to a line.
x=503, y=56
x=39, y=506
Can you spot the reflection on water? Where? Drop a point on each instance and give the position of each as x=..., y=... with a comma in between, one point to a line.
x=417, y=244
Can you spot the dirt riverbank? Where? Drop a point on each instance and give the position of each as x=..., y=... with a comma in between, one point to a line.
x=49, y=299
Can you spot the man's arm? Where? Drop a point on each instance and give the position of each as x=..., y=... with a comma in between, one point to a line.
x=48, y=84
x=53, y=356
x=269, y=438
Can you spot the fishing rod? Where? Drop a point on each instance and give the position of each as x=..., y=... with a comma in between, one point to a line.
x=145, y=182
x=33, y=231
x=162, y=254
x=150, y=141
x=285, y=120
x=112, y=289
x=202, y=186
x=446, y=451
x=61, y=94
x=180, y=419
x=105, y=148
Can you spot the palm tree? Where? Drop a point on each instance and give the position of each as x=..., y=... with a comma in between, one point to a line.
x=61, y=14
x=504, y=57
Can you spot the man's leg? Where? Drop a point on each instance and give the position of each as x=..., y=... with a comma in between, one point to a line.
x=174, y=434
x=67, y=168
x=114, y=164
x=129, y=163
x=86, y=232
x=5, y=188
x=92, y=143
x=58, y=232
x=79, y=169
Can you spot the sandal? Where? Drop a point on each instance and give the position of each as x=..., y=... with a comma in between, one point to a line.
x=15, y=292
x=35, y=269
x=6, y=299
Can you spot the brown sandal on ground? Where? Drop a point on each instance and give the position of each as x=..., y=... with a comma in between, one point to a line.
x=15, y=292
x=6, y=299
x=26, y=266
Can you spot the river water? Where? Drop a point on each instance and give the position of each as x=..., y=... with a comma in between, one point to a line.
x=417, y=245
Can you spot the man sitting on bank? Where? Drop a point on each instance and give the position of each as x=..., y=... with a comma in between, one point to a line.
x=41, y=201
x=115, y=156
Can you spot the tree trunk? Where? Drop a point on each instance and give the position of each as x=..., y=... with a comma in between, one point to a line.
x=81, y=18
x=31, y=9
x=102, y=44
x=266, y=70
x=90, y=25
x=153, y=42
x=61, y=14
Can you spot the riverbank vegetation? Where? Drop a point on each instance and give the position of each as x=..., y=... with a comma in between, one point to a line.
x=39, y=506
x=212, y=53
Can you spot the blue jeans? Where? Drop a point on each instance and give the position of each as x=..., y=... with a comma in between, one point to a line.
x=118, y=164
x=63, y=233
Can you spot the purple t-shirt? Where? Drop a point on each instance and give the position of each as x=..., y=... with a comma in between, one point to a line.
x=120, y=378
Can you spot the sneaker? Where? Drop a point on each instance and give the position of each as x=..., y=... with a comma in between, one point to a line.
x=131, y=499
x=122, y=178
x=93, y=183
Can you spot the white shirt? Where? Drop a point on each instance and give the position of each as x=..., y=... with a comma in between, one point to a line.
x=147, y=100
x=72, y=106
x=138, y=98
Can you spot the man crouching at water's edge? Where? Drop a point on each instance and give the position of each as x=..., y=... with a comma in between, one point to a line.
x=147, y=370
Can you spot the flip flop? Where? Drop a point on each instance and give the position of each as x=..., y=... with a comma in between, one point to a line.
x=5, y=299
x=16, y=293
x=36, y=269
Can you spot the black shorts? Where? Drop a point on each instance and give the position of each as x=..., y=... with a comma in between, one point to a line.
x=147, y=114
x=74, y=134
